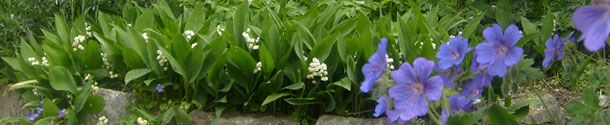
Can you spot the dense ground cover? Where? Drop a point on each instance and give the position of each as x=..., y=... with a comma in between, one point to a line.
x=454, y=62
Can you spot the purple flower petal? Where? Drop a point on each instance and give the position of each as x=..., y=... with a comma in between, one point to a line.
x=404, y=75
x=512, y=35
x=497, y=69
x=513, y=56
x=486, y=52
x=434, y=88
x=423, y=68
x=375, y=67
x=493, y=34
x=593, y=23
x=382, y=104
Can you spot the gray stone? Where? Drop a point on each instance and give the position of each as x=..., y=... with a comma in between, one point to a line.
x=338, y=120
x=539, y=115
x=115, y=108
x=12, y=104
x=232, y=118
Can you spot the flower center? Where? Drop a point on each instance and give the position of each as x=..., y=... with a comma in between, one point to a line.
x=455, y=54
x=502, y=50
x=418, y=87
x=377, y=68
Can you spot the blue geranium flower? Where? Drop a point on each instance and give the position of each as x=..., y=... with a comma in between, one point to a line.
x=374, y=69
x=382, y=106
x=594, y=23
x=452, y=53
x=555, y=47
x=61, y=113
x=159, y=88
x=414, y=87
x=499, y=49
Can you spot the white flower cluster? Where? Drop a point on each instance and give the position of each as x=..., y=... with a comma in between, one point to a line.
x=193, y=45
x=219, y=29
x=162, y=60
x=102, y=120
x=189, y=34
x=389, y=62
x=88, y=77
x=34, y=62
x=129, y=25
x=35, y=91
x=88, y=30
x=78, y=40
x=251, y=41
x=142, y=121
x=317, y=69
x=145, y=36
x=603, y=100
x=108, y=66
x=259, y=67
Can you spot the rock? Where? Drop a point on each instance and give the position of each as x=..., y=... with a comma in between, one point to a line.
x=206, y=118
x=338, y=120
x=12, y=103
x=538, y=114
x=115, y=108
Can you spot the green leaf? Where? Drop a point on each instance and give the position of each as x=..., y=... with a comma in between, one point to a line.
x=295, y=86
x=132, y=59
x=45, y=121
x=301, y=101
x=95, y=104
x=547, y=27
x=525, y=72
x=135, y=74
x=167, y=116
x=322, y=49
x=182, y=118
x=528, y=27
x=21, y=120
x=266, y=59
x=472, y=26
x=144, y=114
x=49, y=109
x=61, y=79
x=345, y=83
x=240, y=21
x=81, y=99
x=62, y=28
x=240, y=59
x=504, y=13
x=499, y=116
x=523, y=103
x=195, y=21
x=274, y=97
x=12, y=62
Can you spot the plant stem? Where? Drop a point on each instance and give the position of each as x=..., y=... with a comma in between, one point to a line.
x=543, y=103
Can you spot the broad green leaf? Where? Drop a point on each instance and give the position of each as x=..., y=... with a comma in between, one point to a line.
x=528, y=26
x=20, y=120
x=301, y=101
x=62, y=28
x=182, y=118
x=295, y=86
x=504, y=13
x=243, y=61
x=49, y=109
x=132, y=59
x=322, y=49
x=274, y=97
x=167, y=116
x=45, y=121
x=95, y=104
x=345, y=83
x=12, y=62
x=547, y=28
x=81, y=99
x=240, y=21
x=61, y=79
x=266, y=59
x=195, y=21
x=499, y=116
x=472, y=26
x=135, y=74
